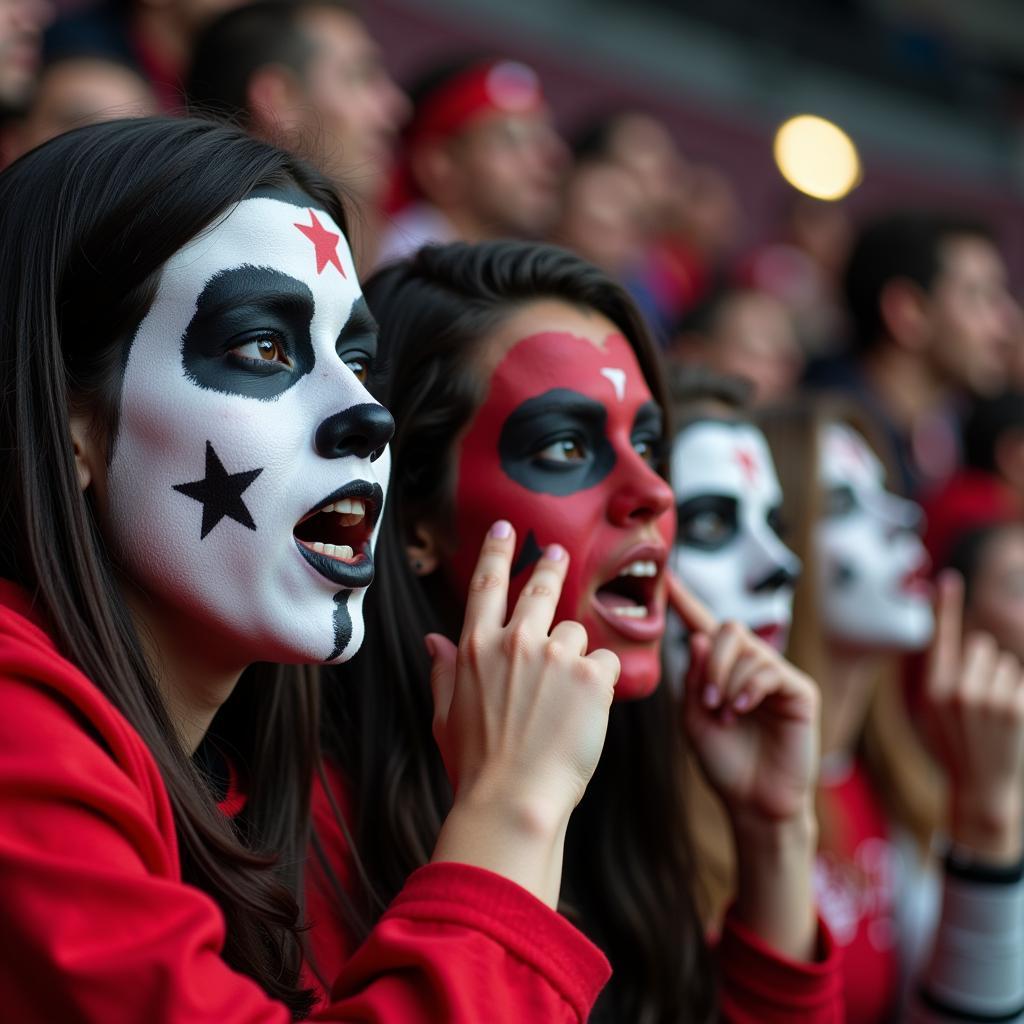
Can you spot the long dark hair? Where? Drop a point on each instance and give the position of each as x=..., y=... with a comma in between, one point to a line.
x=628, y=865
x=86, y=222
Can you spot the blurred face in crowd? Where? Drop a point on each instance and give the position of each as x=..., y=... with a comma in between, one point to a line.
x=354, y=109
x=970, y=316
x=21, y=28
x=82, y=91
x=506, y=172
x=996, y=601
x=873, y=569
x=728, y=549
x=643, y=146
x=752, y=337
x=602, y=216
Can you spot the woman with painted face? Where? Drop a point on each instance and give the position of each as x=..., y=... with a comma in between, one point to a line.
x=862, y=601
x=522, y=378
x=193, y=473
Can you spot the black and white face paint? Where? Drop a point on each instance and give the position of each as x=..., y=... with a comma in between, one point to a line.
x=727, y=548
x=873, y=567
x=250, y=464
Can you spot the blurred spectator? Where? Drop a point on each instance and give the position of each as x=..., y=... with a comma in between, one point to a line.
x=153, y=36
x=932, y=319
x=602, y=217
x=21, y=30
x=306, y=74
x=481, y=159
x=991, y=560
x=804, y=269
x=990, y=486
x=80, y=90
x=742, y=333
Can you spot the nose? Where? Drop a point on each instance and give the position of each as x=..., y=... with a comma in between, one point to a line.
x=641, y=498
x=361, y=430
x=776, y=580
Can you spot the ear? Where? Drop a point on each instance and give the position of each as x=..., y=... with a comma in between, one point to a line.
x=423, y=548
x=436, y=172
x=86, y=449
x=276, y=100
x=904, y=309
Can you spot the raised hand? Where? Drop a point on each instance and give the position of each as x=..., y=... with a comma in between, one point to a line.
x=974, y=701
x=520, y=714
x=751, y=716
x=753, y=721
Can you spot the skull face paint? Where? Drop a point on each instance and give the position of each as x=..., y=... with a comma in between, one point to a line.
x=564, y=446
x=872, y=565
x=727, y=548
x=250, y=464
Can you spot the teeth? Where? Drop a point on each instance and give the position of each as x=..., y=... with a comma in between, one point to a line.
x=640, y=569
x=342, y=551
x=351, y=510
x=634, y=611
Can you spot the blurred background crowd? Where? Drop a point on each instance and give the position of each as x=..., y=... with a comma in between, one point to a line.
x=810, y=196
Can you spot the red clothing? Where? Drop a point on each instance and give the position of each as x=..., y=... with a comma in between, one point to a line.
x=756, y=985
x=971, y=499
x=854, y=886
x=99, y=927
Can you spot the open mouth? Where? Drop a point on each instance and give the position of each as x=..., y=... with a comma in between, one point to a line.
x=334, y=538
x=918, y=582
x=630, y=600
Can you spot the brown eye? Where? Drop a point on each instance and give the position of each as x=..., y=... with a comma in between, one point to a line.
x=360, y=366
x=265, y=349
x=567, y=449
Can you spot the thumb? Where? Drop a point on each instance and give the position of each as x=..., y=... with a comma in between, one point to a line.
x=442, y=677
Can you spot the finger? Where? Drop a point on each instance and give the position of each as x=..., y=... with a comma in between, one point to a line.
x=944, y=654
x=761, y=684
x=696, y=671
x=1004, y=681
x=608, y=663
x=725, y=649
x=535, y=609
x=695, y=616
x=488, y=586
x=746, y=666
x=570, y=636
x=442, y=678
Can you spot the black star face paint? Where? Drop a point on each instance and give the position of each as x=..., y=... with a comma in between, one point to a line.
x=250, y=465
x=564, y=446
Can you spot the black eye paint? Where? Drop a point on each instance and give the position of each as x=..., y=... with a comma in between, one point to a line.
x=839, y=501
x=707, y=522
x=649, y=426
x=538, y=422
x=360, y=333
x=235, y=307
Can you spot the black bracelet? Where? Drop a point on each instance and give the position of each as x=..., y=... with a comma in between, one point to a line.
x=964, y=865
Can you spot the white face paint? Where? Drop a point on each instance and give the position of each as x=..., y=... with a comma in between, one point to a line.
x=241, y=415
x=871, y=563
x=727, y=549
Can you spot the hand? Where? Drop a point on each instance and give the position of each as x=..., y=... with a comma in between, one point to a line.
x=975, y=714
x=751, y=717
x=520, y=715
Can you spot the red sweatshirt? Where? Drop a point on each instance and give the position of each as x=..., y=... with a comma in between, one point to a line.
x=756, y=986
x=97, y=925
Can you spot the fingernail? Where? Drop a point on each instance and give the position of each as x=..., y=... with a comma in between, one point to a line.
x=711, y=695
x=554, y=553
x=742, y=702
x=501, y=529
x=428, y=642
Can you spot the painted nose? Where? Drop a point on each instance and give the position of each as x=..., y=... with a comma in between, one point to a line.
x=776, y=580
x=361, y=430
x=643, y=498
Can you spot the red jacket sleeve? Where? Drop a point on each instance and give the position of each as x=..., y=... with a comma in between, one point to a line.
x=98, y=926
x=759, y=987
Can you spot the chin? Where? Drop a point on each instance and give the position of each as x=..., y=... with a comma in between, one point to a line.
x=640, y=675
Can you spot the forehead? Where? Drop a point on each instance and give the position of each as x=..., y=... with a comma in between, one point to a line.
x=715, y=456
x=299, y=241
x=552, y=345
x=846, y=459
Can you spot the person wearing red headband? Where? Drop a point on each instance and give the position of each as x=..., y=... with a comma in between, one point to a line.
x=481, y=159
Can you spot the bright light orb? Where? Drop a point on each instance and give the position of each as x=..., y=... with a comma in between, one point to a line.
x=817, y=157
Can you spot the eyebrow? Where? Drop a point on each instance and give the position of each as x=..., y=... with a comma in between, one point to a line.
x=360, y=324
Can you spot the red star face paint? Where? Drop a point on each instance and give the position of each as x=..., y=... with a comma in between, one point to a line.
x=250, y=464
x=563, y=446
x=727, y=548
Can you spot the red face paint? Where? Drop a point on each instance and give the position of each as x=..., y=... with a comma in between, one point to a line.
x=563, y=447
